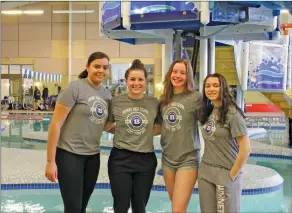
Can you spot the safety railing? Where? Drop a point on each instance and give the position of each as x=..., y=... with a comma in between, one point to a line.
x=258, y=123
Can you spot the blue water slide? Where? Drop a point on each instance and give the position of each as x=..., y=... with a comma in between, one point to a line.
x=180, y=15
x=147, y=22
x=146, y=16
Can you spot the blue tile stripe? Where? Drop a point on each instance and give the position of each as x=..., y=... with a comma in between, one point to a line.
x=160, y=188
x=35, y=140
x=260, y=155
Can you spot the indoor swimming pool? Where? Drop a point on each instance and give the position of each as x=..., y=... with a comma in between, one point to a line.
x=101, y=201
x=49, y=200
x=37, y=195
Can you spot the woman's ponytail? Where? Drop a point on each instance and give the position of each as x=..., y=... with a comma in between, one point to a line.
x=83, y=74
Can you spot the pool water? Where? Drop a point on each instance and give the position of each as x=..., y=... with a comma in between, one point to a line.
x=49, y=200
x=101, y=201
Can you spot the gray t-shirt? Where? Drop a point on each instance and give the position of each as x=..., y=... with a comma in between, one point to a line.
x=179, y=130
x=84, y=124
x=134, y=119
x=221, y=147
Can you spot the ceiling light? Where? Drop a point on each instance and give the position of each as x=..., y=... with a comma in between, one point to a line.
x=73, y=11
x=33, y=12
x=12, y=12
x=19, y=12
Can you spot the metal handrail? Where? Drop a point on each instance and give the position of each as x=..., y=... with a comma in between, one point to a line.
x=251, y=121
x=279, y=119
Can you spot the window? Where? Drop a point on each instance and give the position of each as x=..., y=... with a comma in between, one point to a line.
x=14, y=69
x=4, y=69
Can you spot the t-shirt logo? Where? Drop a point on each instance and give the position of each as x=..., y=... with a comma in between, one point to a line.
x=173, y=116
x=99, y=111
x=209, y=128
x=136, y=120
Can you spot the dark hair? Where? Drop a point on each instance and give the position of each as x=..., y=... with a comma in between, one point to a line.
x=227, y=100
x=92, y=57
x=136, y=65
x=168, y=87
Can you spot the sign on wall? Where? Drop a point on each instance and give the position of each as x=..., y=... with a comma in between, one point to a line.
x=266, y=70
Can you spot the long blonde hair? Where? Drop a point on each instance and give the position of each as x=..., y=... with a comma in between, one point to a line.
x=168, y=87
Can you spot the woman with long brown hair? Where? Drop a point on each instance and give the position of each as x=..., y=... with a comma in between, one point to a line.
x=179, y=134
x=227, y=148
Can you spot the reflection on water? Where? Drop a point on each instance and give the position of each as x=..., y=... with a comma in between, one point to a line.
x=32, y=134
x=283, y=167
x=22, y=206
x=13, y=132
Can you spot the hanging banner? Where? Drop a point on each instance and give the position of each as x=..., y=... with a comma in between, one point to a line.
x=267, y=68
x=28, y=74
x=37, y=76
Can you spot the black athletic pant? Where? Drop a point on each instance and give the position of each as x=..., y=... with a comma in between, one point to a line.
x=77, y=176
x=131, y=177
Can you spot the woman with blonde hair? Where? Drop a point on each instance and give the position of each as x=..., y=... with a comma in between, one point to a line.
x=179, y=134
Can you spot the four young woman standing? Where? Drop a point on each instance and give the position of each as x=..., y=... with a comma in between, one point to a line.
x=84, y=110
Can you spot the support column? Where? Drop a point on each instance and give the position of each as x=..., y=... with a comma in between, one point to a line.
x=212, y=58
x=167, y=52
x=286, y=60
x=203, y=59
x=203, y=75
x=240, y=97
x=70, y=44
x=178, y=44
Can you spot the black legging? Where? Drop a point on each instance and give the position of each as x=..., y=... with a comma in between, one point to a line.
x=77, y=176
x=131, y=177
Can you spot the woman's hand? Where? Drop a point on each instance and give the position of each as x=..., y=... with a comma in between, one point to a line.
x=51, y=172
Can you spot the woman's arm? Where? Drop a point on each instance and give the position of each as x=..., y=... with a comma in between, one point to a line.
x=110, y=127
x=60, y=114
x=157, y=129
x=242, y=157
